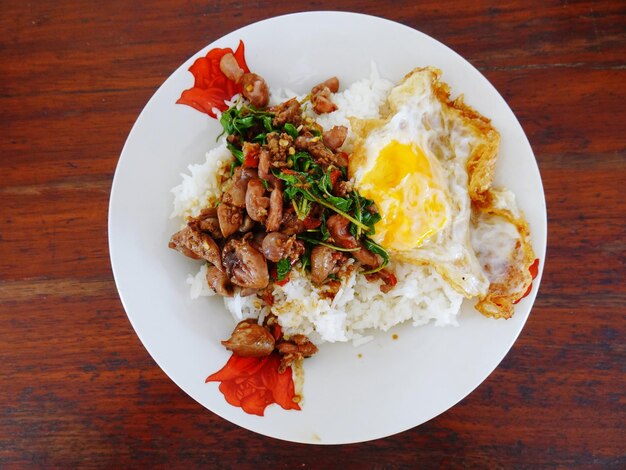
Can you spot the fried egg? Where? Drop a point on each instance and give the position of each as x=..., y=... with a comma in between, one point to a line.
x=428, y=164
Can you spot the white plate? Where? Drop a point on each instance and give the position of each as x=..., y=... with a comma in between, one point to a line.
x=396, y=384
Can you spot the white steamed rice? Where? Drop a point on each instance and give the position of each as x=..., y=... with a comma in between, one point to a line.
x=421, y=295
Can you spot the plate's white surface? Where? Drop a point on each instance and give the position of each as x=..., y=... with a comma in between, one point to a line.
x=396, y=384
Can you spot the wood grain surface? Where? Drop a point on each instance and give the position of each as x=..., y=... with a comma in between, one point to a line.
x=78, y=389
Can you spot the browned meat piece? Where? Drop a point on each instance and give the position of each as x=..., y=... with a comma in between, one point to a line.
x=210, y=225
x=332, y=84
x=257, y=240
x=274, y=245
x=255, y=89
x=230, y=218
x=314, y=146
x=277, y=245
x=245, y=173
x=256, y=201
x=287, y=348
x=289, y=111
x=207, y=212
x=306, y=348
x=291, y=225
x=207, y=222
x=245, y=265
x=265, y=165
x=218, y=281
x=367, y=258
x=278, y=146
x=295, y=349
x=230, y=68
x=196, y=245
x=323, y=262
x=341, y=159
x=339, y=228
x=334, y=137
x=247, y=224
x=249, y=339
x=246, y=291
x=342, y=188
x=236, y=194
x=322, y=103
x=275, y=215
x=320, y=96
x=388, y=278
x=250, y=148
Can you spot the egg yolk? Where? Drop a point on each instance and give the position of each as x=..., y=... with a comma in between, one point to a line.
x=410, y=201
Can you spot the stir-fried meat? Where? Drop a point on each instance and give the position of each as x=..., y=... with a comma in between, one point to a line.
x=230, y=218
x=320, y=96
x=230, y=68
x=246, y=291
x=265, y=165
x=244, y=264
x=367, y=258
x=312, y=144
x=218, y=281
x=335, y=137
x=323, y=262
x=256, y=201
x=296, y=348
x=207, y=222
x=277, y=246
x=253, y=222
x=257, y=240
x=236, y=194
x=250, y=149
x=341, y=159
x=207, y=212
x=339, y=228
x=388, y=278
x=249, y=339
x=247, y=224
x=245, y=173
x=210, y=225
x=291, y=225
x=275, y=214
x=278, y=146
x=196, y=245
x=342, y=188
x=289, y=111
x=255, y=90
x=332, y=84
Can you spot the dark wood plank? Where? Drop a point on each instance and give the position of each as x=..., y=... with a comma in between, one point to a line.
x=77, y=387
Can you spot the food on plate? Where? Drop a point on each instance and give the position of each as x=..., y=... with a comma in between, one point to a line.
x=319, y=217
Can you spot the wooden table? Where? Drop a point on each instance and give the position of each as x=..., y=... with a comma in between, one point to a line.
x=77, y=387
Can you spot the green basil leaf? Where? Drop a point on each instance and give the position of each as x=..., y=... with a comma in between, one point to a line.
x=244, y=123
x=238, y=154
x=370, y=219
x=290, y=192
x=289, y=178
x=282, y=269
x=267, y=122
x=291, y=130
x=343, y=204
x=305, y=260
x=378, y=250
x=323, y=228
x=260, y=139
